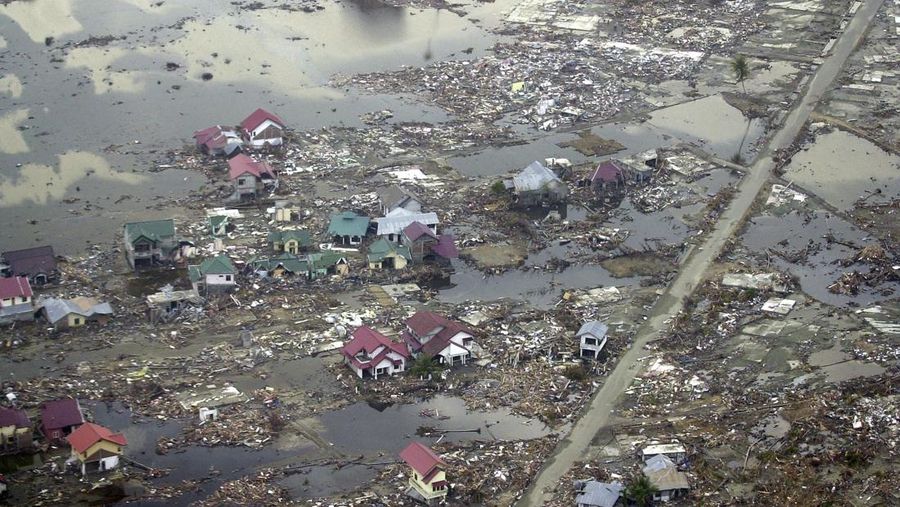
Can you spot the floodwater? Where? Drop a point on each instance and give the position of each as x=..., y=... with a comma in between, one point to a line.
x=840, y=168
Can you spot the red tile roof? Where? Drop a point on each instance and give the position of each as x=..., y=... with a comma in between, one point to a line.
x=422, y=459
x=607, y=172
x=241, y=164
x=14, y=417
x=424, y=323
x=89, y=434
x=257, y=118
x=368, y=340
x=212, y=137
x=15, y=286
x=416, y=230
x=60, y=414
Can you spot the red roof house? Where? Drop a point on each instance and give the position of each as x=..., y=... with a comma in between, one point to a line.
x=59, y=418
x=96, y=447
x=371, y=354
x=438, y=337
x=17, y=430
x=217, y=140
x=262, y=128
x=15, y=300
x=249, y=176
x=428, y=479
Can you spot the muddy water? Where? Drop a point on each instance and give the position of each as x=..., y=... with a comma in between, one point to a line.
x=840, y=168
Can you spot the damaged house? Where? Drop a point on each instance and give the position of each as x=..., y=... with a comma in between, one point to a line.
x=426, y=246
x=216, y=274
x=536, y=185
x=608, y=180
x=59, y=418
x=370, y=354
x=391, y=226
x=16, y=303
x=15, y=431
x=37, y=264
x=663, y=474
x=435, y=336
x=218, y=141
x=394, y=197
x=592, y=338
x=384, y=254
x=76, y=312
x=249, y=177
x=150, y=243
x=262, y=129
x=347, y=228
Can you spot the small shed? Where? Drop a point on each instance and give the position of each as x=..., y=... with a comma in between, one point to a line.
x=592, y=337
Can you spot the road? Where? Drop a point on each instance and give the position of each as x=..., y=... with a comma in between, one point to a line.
x=596, y=417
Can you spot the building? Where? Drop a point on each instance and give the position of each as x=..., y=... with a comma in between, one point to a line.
x=67, y=313
x=60, y=418
x=598, y=494
x=609, y=180
x=293, y=241
x=427, y=479
x=150, y=243
x=592, y=337
x=216, y=274
x=218, y=141
x=536, y=185
x=370, y=354
x=384, y=254
x=282, y=265
x=327, y=263
x=97, y=449
x=426, y=246
x=249, y=177
x=670, y=483
x=37, y=264
x=262, y=129
x=164, y=305
x=219, y=226
x=15, y=431
x=16, y=303
x=393, y=198
x=348, y=228
x=435, y=336
x=674, y=451
x=391, y=225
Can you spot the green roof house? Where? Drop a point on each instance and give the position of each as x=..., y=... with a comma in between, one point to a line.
x=348, y=228
x=384, y=254
x=327, y=263
x=216, y=274
x=291, y=241
x=282, y=265
x=149, y=244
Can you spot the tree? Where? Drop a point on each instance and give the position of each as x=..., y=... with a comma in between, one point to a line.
x=640, y=491
x=741, y=69
x=424, y=366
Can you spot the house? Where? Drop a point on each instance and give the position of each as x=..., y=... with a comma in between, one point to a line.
x=426, y=246
x=391, y=225
x=435, y=336
x=218, y=141
x=327, y=263
x=262, y=129
x=15, y=431
x=609, y=180
x=384, y=254
x=249, y=177
x=219, y=226
x=285, y=264
x=16, y=302
x=427, y=480
x=38, y=264
x=292, y=241
x=67, y=313
x=393, y=198
x=370, y=354
x=96, y=448
x=536, y=185
x=592, y=336
x=216, y=274
x=284, y=211
x=60, y=418
x=151, y=243
x=168, y=302
x=674, y=451
x=644, y=165
x=670, y=483
x=598, y=494
x=348, y=228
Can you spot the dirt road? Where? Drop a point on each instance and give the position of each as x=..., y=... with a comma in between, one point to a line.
x=596, y=416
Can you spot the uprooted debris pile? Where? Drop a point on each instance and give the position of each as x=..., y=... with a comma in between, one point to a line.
x=259, y=489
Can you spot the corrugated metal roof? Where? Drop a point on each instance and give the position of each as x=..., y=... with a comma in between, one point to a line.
x=600, y=494
x=533, y=177
x=594, y=328
x=348, y=224
x=396, y=222
x=56, y=309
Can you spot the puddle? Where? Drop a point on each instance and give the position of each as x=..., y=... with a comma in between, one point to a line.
x=774, y=426
x=850, y=370
x=840, y=168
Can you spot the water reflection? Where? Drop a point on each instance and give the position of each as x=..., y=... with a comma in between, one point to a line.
x=11, y=139
x=11, y=85
x=40, y=19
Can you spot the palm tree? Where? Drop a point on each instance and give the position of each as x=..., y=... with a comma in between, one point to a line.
x=424, y=366
x=741, y=69
x=640, y=491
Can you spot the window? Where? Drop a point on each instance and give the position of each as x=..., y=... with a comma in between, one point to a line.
x=590, y=341
x=242, y=181
x=227, y=278
x=142, y=247
x=77, y=321
x=23, y=299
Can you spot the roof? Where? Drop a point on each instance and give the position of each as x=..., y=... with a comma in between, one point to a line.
x=216, y=137
x=218, y=265
x=287, y=261
x=664, y=449
x=89, y=434
x=301, y=236
x=28, y=261
x=594, y=328
x=421, y=458
x=366, y=339
x=394, y=197
x=14, y=417
x=607, y=171
x=663, y=474
x=218, y=220
x=383, y=248
x=348, y=223
x=241, y=164
x=400, y=218
x=534, y=177
x=258, y=117
x=16, y=286
x=424, y=323
x=61, y=413
x=56, y=309
x=600, y=494
x=446, y=247
x=154, y=230
x=416, y=230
